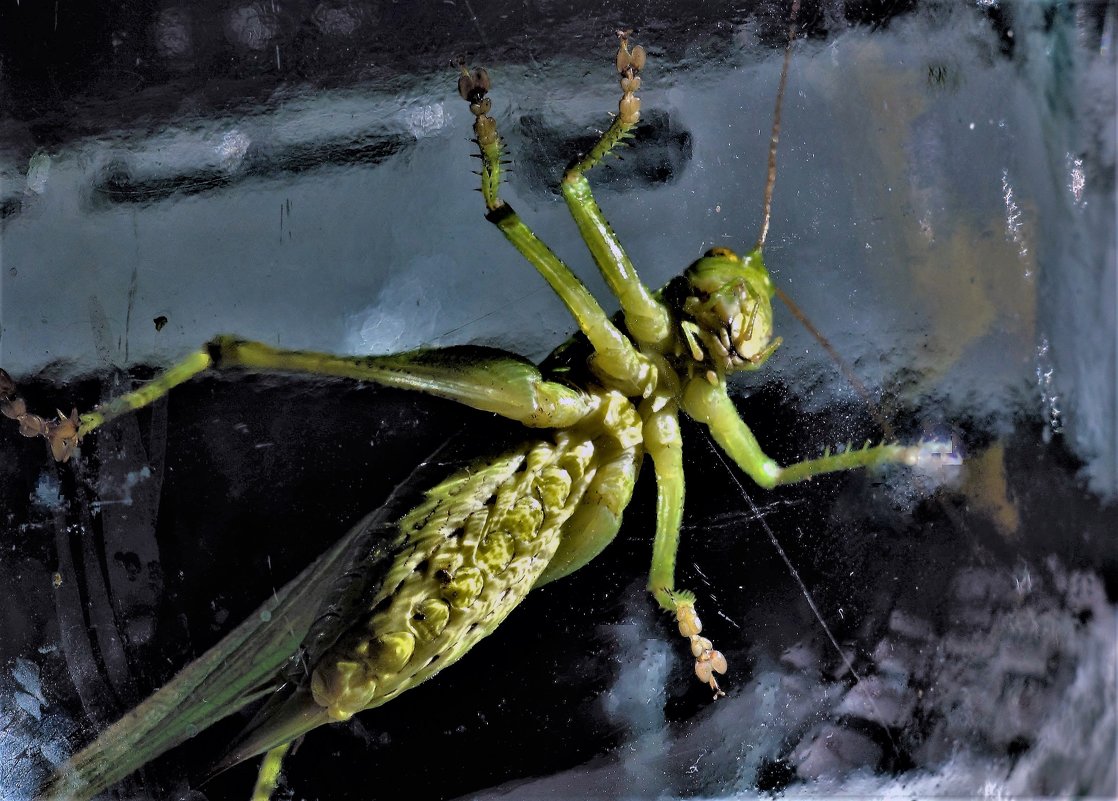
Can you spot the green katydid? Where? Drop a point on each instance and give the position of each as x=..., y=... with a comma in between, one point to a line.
x=446, y=574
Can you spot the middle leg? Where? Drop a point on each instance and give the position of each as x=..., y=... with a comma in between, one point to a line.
x=665, y=445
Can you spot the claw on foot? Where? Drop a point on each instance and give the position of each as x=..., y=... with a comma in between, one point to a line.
x=707, y=660
x=61, y=433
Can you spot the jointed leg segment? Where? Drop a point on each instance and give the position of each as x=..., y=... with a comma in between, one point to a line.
x=267, y=778
x=482, y=378
x=708, y=403
x=646, y=318
x=665, y=445
x=615, y=355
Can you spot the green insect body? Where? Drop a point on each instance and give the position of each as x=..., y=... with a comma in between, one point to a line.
x=470, y=553
x=455, y=566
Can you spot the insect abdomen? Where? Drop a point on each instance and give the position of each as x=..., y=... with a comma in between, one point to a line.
x=472, y=550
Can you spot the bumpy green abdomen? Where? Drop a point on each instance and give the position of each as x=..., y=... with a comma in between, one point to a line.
x=471, y=552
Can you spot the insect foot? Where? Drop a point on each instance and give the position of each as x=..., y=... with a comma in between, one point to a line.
x=61, y=433
x=707, y=660
x=473, y=87
x=629, y=64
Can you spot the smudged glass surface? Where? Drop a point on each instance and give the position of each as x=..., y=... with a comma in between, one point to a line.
x=300, y=174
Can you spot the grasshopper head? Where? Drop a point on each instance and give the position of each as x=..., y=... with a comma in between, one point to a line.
x=725, y=303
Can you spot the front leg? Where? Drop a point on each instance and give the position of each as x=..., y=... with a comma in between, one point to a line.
x=708, y=403
x=482, y=378
x=615, y=356
x=647, y=319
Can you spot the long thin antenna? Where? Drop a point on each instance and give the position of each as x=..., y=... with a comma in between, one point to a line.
x=770, y=179
x=766, y=214
x=846, y=370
